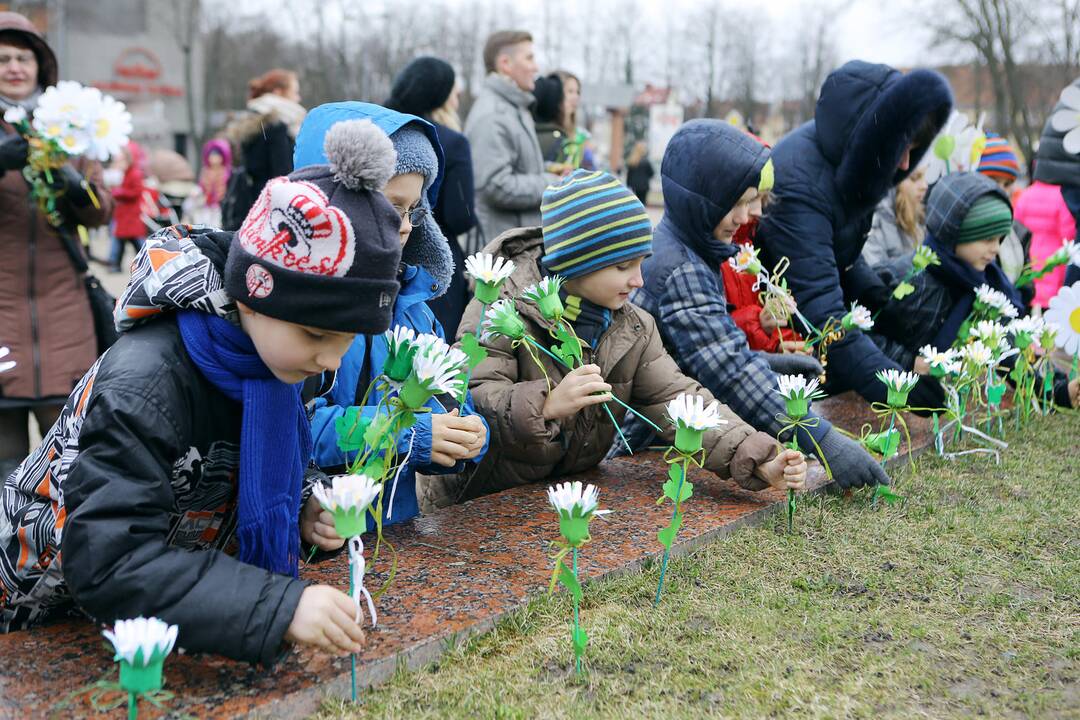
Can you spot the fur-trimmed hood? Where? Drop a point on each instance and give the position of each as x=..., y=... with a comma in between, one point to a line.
x=865, y=118
x=427, y=246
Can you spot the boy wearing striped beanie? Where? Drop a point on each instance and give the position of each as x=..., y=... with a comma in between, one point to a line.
x=999, y=162
x=551, y=422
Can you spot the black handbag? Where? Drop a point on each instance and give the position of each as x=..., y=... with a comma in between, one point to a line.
x=101, y=302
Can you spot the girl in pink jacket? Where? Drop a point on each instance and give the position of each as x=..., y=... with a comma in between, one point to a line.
x=1043, y=211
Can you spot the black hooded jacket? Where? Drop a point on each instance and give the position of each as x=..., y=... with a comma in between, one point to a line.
x=130, y=504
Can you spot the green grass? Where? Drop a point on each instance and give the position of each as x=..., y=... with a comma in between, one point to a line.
x=962, y=601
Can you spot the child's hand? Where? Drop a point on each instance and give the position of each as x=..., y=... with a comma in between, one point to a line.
x=794, y=346
x=575, y=392
x=324, y=619
x=317, y=527
x=785, y=471
x=769, y=321
x=455, y=438
x=921, y=366
x=1074, y=393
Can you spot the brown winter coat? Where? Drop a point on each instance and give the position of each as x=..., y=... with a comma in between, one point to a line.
x=44, y=313
x=509, y=390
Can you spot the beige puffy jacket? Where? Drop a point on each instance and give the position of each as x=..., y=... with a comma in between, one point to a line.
x=509, y=390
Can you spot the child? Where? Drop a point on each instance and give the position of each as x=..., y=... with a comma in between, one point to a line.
x=186, y=443
x=441, y=441
x=127, y=216
x=204, y=206
x=968, y=214
x=595, y=235
x=712, y=173
x=764, y=330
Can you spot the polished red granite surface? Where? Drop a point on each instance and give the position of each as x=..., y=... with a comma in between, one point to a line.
x=460, y=570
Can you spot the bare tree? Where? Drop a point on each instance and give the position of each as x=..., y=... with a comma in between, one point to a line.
x=188, y=15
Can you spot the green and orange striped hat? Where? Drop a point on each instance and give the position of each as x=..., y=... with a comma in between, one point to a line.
x=592, y=221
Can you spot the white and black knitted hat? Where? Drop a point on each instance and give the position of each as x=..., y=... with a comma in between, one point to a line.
x=320, y=247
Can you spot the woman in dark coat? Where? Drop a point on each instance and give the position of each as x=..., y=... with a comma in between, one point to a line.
x=45, y=316
x=427, y=88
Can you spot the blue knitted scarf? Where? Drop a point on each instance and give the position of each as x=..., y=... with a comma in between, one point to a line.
x=275, y=439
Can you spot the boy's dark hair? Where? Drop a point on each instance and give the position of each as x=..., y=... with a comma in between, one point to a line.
x=499, y=41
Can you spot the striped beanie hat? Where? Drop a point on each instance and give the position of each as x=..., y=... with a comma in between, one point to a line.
x=999, y=159
x=591, y=221
x=989, y=217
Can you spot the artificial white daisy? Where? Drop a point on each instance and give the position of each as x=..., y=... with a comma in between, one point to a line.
x=690, y=411
x=109, y=128
x=993, y=334
x=347, y=493
x=923, y=258
x=944, y=361
x=976, y=355
x=1064, y=312
x=990, y=299
x=797, y=387
x=15, y=115
x=746, y=260
x=858, y=317
x=1067, y=119
x=142, y=641
x=957, y=148
x=437, y=373
x=488, y=268
x=575, y=499
x=899, y=380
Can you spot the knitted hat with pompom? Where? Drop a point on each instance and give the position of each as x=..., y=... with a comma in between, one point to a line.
x=320, y=247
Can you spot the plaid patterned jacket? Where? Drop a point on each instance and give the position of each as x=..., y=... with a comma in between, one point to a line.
x=686, y=296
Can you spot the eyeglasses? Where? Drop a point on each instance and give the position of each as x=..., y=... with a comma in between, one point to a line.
x=25, y=58
x=416, y=214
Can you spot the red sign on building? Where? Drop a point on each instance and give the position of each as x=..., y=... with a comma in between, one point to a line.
x=137, y=72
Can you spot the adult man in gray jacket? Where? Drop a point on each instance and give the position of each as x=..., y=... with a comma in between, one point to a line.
x=508, y=167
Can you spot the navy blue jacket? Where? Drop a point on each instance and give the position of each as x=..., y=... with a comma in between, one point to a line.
x=830, y=173
x=455, y=213
x=707, y=167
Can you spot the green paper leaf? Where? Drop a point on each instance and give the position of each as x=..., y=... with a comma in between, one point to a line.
x=672, y=484
x=470, y=345
x=351, y=429
x=667, y=535
x=566, y=577
x=903, y=290
x=884, y=492
x=377, y=436
x=375, y=467
x=569, y=348
x=580, y=640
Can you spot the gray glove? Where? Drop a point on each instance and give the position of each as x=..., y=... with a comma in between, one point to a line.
x=794, y=364
x=851, y=465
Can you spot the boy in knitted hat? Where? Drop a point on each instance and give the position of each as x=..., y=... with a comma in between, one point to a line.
x=1000, y=163
x=595, y=236
x=967, y=216
x=173, y=483
x=441, y=441
x=712, y=175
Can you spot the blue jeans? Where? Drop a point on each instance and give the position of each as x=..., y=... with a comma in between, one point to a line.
x=116, y=252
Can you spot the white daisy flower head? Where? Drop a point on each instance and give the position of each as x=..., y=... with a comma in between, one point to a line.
x=989, y=299
x=142, y=641
x=1067, y=119
x=858, y=317
x=347, y=492
x=1064, y=312
x=15, y=115
x=400, y=338
x=546, y=295
x=977, y=356
x=797, y=387
x=1030, y=326
x=109, y=126
x=5, y=365
x=899, y=380
x=575, y=499
x=437, y=373
x=992, y=333
x=746, y=260
x=941, y=362
x=690, y=411
x=488, y=268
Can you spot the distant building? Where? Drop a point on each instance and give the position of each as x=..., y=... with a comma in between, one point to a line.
x=131, y=50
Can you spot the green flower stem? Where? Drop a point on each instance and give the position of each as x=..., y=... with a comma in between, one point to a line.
x=559, y=360
x=892, y=425
x=468, y=371
x=577, y=618
x=674, y=514
x=133, y=706
x=791, y=491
